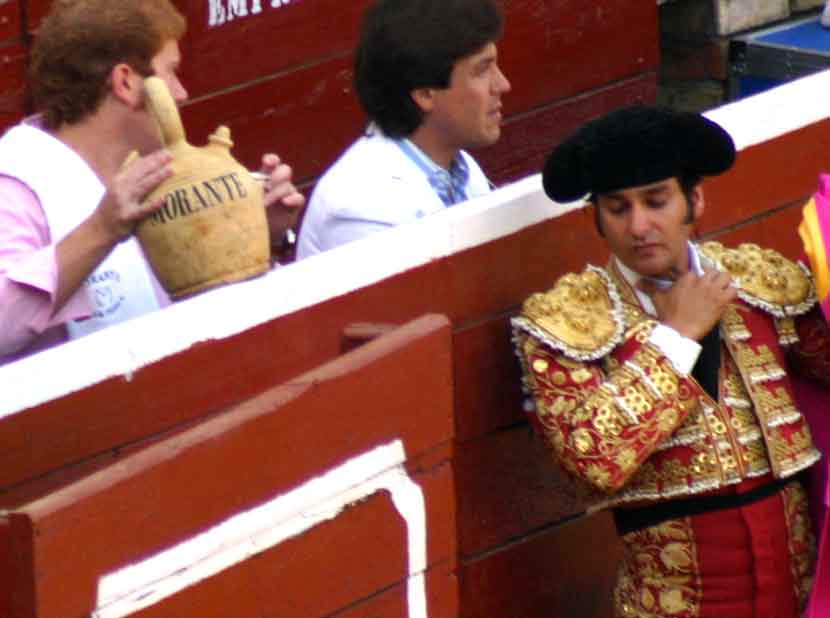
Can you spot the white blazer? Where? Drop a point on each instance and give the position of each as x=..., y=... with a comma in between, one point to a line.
x=373, y=186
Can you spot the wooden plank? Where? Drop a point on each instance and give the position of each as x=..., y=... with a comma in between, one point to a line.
x=336, y=565
x=249, y=48
x=286, y=101
x=528, y=139
x=767, y=176
x=11, y=27
x=228, y=465
x=17, y=590
x=118, y=412
x=442, y=588
x=13, y=59
x=278, y=114
x=561, y=38
x=508, y=486
x=539, y=38
x=36, y=488
x=778, y=230
x=566, y=571
x=488, y=392
x=308, y=117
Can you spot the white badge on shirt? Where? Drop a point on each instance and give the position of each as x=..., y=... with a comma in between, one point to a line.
x=118, y=290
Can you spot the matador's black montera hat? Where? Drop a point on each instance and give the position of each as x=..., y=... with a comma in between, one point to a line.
x=635, y=146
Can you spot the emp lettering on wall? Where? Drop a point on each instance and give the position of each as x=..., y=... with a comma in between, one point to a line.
x=221, y=12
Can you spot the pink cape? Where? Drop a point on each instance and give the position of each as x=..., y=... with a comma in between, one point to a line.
x=813, y=402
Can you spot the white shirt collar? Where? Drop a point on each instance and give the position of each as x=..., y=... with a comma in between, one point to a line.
x=633, y=278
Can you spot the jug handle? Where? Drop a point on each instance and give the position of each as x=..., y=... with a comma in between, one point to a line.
x=161, y=104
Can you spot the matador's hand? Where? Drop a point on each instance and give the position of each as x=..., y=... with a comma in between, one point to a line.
x=694, y=304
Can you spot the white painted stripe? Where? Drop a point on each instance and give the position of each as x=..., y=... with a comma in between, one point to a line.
x=125, y=348
x=246, y=534
x=122, y=350
x=772, y=113
x=409, y=500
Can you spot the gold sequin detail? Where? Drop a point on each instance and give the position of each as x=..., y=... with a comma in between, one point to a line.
x=580, y=376
x=582, y=441
x=577, y=311
x=760, y=363
x=540, y=366
x=763, y=273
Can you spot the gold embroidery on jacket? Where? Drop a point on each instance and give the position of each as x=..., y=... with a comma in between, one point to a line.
x=581, y=316
x=765, y=279
x=659, y=575
x=733, y=324
x=602, y=417
x=800, y=541
x=776, y=406
x=761, y=365
x=785, y=327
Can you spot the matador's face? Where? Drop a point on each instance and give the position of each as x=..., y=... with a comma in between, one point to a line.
x=648, y=227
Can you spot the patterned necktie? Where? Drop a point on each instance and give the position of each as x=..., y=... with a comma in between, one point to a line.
x=451, y=186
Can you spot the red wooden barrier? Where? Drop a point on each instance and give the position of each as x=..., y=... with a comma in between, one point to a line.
x=58, y=549
x=286, y=78
x=281, y=76
x=510, y=542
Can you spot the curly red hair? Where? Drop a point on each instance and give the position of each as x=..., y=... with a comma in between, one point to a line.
x=79, y=43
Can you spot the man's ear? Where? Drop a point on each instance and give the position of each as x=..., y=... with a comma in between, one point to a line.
x=424, y=98
x=698, y=203
x=597, y=215
x=126, y=85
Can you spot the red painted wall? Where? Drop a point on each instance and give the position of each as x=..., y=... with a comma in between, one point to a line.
x=282, y=79
x=251, y=453
x=522, y=545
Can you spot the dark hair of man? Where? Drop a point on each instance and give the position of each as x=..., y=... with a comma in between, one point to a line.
x=687, y=182
x=410, y=44
x=79, y=43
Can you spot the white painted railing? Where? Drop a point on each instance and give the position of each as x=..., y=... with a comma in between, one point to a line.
x=124, y=349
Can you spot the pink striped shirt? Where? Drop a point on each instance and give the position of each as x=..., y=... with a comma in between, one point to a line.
x=29, y=321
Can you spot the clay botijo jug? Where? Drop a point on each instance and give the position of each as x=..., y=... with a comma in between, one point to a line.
x=212, y=228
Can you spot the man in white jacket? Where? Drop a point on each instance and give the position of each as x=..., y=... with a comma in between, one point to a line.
x=427, y=75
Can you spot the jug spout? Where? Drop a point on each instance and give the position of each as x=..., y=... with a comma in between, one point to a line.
x=163, y=107
x=220, y=141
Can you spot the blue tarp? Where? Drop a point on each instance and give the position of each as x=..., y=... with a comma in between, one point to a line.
x=807, y=36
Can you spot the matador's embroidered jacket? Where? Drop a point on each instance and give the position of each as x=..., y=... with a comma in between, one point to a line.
x=620, y=416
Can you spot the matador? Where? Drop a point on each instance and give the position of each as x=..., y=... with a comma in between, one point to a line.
x=665, y=380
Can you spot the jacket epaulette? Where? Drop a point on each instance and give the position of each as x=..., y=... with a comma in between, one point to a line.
x=581, y=316
x=765, y=279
